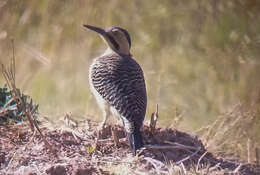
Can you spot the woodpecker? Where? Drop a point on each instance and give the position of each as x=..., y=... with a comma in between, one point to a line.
x=118, y=84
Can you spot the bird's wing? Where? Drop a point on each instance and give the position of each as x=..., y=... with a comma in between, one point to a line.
x=120, y=81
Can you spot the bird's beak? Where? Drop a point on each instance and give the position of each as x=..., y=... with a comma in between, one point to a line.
x=104, y=35
x=96, y=29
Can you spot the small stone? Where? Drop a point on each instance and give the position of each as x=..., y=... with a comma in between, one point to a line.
x=2, y=158
x=56, y=170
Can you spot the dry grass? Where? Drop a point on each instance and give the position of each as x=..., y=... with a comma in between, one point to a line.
x=77, y=150
x=23, y=108
x=235, y=133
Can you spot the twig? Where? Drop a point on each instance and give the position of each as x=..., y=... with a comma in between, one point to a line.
x=201, y=157
x=69, y=121
x=215, y=167
x=13, y=63
x=154, y=118
x=249, y=142
x=111, y=161
x=4, y=111
x=155, y=161
x=156, y=164
x=162, y=147
x=37, y=169
x=237, y=169
x=122, y=140
x=44, y=139
x=35, y=54
x=257, y=155
x=181, y=145
x=183, y=167
x=188, y=157
x=11, y=159
x=11, y=84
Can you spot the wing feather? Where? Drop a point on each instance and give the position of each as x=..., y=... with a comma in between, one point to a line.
x=120, y=81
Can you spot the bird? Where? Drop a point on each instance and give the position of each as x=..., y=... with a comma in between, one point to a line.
x=118, y=84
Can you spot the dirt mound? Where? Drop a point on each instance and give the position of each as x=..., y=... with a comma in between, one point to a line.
x=76, y=150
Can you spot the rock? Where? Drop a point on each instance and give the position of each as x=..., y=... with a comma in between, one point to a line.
x=56, y=170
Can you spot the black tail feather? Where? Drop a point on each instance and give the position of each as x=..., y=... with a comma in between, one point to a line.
x=135, y=140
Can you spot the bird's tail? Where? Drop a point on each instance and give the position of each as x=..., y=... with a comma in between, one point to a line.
x=135, y=140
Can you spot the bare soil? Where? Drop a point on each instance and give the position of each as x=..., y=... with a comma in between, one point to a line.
x=77, y=151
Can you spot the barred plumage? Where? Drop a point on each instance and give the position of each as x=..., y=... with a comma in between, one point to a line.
x=120, y=81
x=117, y=81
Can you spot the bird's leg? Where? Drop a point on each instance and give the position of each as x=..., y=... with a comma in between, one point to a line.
x=115, y=136
x=102, y=124
x=106, y=113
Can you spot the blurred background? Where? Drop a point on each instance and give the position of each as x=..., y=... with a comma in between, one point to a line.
x=199, y=57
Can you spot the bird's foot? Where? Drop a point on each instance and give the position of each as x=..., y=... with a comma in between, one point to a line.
x=101, y=126
x=101, y=130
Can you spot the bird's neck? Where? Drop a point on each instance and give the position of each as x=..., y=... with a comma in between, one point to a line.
x=108, y=51
x=111, y=51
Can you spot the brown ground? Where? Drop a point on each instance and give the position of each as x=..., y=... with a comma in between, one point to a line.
x=76, y=151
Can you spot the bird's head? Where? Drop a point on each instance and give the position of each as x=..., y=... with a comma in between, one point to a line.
x=116, y=38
